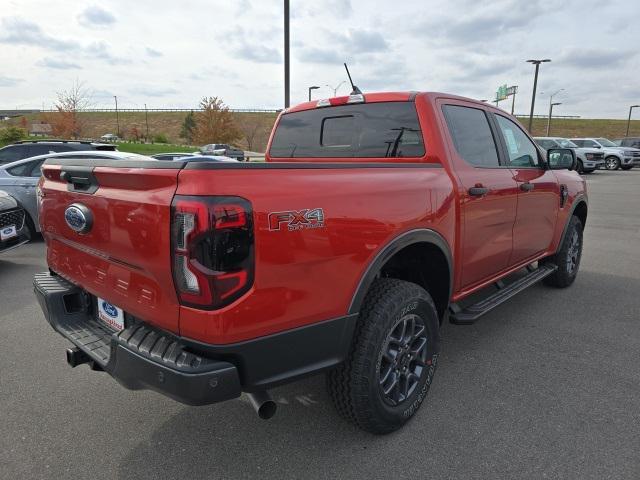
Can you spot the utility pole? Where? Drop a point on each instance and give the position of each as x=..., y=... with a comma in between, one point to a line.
x=551, y=105
x=146, y=119
x=286, y=55
x=535, y=85
x=117, y=118
x=513, y=99
x=629, y=119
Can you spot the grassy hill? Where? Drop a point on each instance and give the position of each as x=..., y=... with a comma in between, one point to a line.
x=170, y=123
x=96, y=124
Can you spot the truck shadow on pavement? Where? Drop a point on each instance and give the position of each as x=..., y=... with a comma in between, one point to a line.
x=489, y=362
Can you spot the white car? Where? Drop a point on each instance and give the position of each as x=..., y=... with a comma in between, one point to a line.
x=589, y=159
x=109, y=137
x=615, y=157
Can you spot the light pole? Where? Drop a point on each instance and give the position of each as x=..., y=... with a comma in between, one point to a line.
x=146, y=120
x=550, y=112
x=117, y=118
x=286, y=54
x=629, y=119
x=513, y=99
x=312, y=88
x=335, y=89
x=535, y=85
x=551, y=104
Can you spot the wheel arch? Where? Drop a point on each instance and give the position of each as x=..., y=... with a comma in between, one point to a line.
x=420, y=256
x=580, y=209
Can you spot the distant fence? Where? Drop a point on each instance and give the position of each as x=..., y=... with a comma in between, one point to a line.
x=547, y=116
x=122, y=110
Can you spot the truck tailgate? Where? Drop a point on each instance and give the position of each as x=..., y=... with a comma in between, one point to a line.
x=124, y=256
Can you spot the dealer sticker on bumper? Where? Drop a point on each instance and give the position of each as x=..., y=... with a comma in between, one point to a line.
x=110, y=314
x=8, y=232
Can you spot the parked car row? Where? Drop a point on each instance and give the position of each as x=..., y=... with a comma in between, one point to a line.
x=595, y=153
x=21, y=168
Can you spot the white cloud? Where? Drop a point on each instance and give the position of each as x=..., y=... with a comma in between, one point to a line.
x=172, y=56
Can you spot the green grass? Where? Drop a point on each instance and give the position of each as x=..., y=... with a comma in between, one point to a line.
x=153, y=148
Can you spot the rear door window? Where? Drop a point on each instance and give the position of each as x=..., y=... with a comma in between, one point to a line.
x=471, y=134
x=12, y=153
x=374, y=130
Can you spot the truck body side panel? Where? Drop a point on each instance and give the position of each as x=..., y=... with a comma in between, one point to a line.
x=311, y=274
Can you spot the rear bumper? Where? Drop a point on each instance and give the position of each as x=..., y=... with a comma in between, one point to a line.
x=144, y=357
x=138, y=357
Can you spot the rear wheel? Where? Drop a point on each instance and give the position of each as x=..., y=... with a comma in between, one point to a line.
x=568, y=257
x=392, y=360
x=612, y=163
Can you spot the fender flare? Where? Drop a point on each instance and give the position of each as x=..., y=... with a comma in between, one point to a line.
x=411, y=237
x=577, y=201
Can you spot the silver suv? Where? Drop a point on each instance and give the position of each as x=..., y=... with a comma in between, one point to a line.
x=589, y=159
x=615, y=157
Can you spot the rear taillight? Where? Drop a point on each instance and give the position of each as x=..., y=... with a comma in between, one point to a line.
x=212, y=249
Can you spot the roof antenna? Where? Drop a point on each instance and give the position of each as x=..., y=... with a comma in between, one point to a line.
x=355, y=90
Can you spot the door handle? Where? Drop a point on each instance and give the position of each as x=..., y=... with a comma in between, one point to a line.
x=527, y=187
x=478, y=191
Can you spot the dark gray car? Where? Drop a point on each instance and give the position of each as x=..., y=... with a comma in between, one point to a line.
x=30, y=148
x=13, y=229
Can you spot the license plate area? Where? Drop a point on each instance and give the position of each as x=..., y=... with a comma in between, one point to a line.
x=9, y=232
x=109, y=314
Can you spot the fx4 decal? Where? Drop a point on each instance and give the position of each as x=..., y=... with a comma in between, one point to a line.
x=296, y=220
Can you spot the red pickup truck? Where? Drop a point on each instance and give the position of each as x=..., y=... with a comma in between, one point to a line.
x=372, y=221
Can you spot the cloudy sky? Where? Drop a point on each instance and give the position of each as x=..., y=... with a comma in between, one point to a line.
x=171, y=53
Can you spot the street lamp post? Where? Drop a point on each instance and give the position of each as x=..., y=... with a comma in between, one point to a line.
x=312, y=88
x=629, y=119
x=335, y=89
x=551, y=104
x=146, y=119
x=535, y=85
x=117, y=118
x=286, y=55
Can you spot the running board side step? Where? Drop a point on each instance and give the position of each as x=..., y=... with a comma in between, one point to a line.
x=470, y=314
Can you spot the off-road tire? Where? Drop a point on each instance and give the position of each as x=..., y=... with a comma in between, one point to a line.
x=354, y=385
x=567, y=258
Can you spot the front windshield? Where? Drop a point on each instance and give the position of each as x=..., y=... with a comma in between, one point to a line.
x=606, y=143
x=564, y=143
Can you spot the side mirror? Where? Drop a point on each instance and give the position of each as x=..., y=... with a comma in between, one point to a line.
x=561, y=159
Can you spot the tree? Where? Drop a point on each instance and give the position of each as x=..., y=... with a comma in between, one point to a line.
x=188, y=127
x=11, y=134
x=215, y=123
x=135, y=133
x=255, y=130
x=66, y=122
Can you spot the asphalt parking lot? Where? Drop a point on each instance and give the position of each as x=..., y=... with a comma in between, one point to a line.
x=546, y=386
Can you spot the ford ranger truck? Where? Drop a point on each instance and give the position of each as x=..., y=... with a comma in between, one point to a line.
x=373, y=220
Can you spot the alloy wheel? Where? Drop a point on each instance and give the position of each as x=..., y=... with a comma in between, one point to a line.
x=404, y=359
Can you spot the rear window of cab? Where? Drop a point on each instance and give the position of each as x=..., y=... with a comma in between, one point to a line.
x=374, y=130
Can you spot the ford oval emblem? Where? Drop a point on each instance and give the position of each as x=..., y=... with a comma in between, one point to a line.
x=79, y=218
x=110, y=309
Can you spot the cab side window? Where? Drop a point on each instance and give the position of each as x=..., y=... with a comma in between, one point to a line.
x=471, y=134
x=522, y=151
